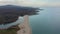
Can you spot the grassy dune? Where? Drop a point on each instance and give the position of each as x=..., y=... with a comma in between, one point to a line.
x=10, y=31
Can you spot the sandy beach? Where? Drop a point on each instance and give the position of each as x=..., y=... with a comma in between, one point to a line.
x=25, y=27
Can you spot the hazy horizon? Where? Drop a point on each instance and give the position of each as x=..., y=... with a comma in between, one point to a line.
x=34, y=3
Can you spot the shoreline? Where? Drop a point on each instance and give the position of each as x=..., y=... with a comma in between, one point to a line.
x=24, y=30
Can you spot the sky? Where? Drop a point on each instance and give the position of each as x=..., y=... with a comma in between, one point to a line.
x=35, y=3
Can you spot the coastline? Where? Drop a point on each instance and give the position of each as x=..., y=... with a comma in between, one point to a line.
x=24, y=30
x=25, y=27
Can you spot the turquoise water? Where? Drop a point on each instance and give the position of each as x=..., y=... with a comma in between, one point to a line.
x=47, y=22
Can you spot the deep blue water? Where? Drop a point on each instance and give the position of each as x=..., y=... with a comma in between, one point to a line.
x=47, y=22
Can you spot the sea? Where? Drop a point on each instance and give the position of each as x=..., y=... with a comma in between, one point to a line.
x=47, y=22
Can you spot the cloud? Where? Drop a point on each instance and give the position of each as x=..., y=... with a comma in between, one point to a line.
x=40, y=3
x=34, y=3
x=54, y=4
